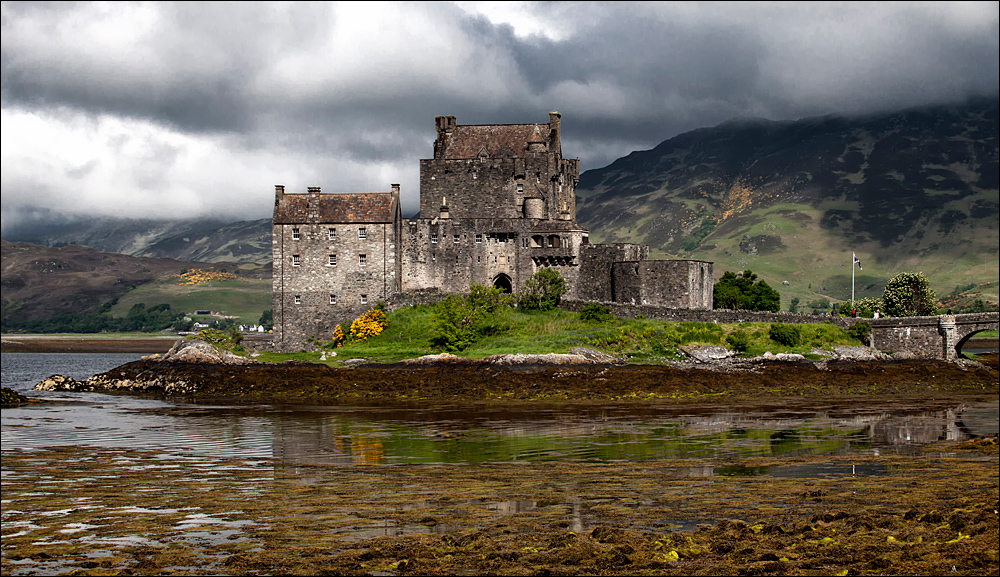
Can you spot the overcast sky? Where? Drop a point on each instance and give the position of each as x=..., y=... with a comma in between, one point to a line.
x=194, y=109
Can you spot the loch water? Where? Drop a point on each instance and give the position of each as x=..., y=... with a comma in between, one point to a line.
x=476, y=433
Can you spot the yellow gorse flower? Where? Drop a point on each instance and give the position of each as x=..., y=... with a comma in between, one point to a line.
x=198, y=276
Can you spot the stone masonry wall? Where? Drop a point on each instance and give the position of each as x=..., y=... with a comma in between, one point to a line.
x=487, y=188
x=667, y=283
x=596, y=260
x=311, y=297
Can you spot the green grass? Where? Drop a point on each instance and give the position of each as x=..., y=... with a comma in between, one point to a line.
x=244, y=298
x=641, y=341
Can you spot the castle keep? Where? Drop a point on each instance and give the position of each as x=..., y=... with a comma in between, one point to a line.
x=497, y=203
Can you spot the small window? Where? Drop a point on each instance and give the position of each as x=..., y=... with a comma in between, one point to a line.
x=362, y=233
x=333, y=299
x=479, y=239
x=333, y=260
x=295, y=234
x=362, y=260
x=520, y=189
x=456, y=238
x=298, y=299
x=364, y=299
x=331, y=234
x=434, y=238
x=296, y=260
x=494, y=260
x=501, y=238
x=456, y=259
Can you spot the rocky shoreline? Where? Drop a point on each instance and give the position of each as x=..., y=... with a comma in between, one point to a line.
x=198, y=369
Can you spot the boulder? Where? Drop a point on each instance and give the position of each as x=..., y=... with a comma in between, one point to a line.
x=62, y=383
x=708, y=354
x=199, y=351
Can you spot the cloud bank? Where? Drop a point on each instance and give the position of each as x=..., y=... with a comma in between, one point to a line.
x=198, y=109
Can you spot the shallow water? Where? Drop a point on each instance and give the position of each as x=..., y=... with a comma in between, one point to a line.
x=429, y=433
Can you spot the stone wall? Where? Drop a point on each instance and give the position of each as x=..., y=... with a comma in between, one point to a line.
x=594, y=282
x=665, y=283
x=312, y=293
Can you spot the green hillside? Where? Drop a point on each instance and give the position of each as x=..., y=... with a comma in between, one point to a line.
x=240, y=297
x=911, y=191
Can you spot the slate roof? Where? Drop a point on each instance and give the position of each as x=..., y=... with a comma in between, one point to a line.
x=499, y=140
x=373, y=207
x=557, y=226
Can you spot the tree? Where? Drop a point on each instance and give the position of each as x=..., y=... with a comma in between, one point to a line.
x=793, y=306
x=461, y=320
x=542, y=290
x=908, y=295
x=741, y=293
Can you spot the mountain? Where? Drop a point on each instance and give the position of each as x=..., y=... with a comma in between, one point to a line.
x=914, y=190
x=41, y=282
x=203, y=240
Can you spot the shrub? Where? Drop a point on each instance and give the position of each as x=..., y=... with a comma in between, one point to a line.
x=908, y=295
x=595, y=312
x=783, y=334
x=861, y=331
x=461, y=320
x=739, y=341
x=542, y=290
x=741, y=293
x=370, y=324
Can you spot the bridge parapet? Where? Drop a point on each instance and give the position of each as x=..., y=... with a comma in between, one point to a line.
x=939, y=337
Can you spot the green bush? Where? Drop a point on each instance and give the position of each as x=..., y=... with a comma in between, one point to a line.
x=741, y=293
x=542, y=290
x=782, y=334
x=595, y=312
x=739, y=341
x=861, y=331
x=461, y=320
x=908, y=295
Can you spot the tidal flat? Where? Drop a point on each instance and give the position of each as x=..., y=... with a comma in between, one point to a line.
x=88, y=511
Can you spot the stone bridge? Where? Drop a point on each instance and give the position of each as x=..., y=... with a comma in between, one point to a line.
x=939, y=336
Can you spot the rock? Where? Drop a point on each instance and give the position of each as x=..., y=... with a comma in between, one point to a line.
x=351, y=362
x=708, y=353
x=593, y=355
x=855, y=353
x=198, y=351
x=61, y=383
x=789, y=357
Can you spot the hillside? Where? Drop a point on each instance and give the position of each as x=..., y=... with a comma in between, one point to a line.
x=202, y=240
x=42, y=282
x=915, y=190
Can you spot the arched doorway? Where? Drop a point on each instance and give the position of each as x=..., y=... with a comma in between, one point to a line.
x=503, y=283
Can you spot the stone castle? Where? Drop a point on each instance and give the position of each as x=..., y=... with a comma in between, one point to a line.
x=497, y=203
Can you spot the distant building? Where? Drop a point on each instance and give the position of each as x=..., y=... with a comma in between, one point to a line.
x=497, y=203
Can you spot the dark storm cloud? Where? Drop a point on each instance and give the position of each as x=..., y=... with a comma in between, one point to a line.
x=209, y=105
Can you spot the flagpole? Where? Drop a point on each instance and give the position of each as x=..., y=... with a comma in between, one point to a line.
x=853, y=258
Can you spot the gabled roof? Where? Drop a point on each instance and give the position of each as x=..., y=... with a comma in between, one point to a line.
x=360, y=207
x=498, y=139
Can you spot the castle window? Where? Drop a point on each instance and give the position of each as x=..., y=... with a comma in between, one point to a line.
x=364, y=299
x=538, y=177
x=501, y=238
x=298, y=299
x=456, y=238
x=333, y=260
x=333, y=299
x=362, y=234
x=479, y=239
x=494, y=260
x=331, y=234
x=296, y=260
x=434, y=238
x=520, y=189
x=295, y=234
x=362, y=260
